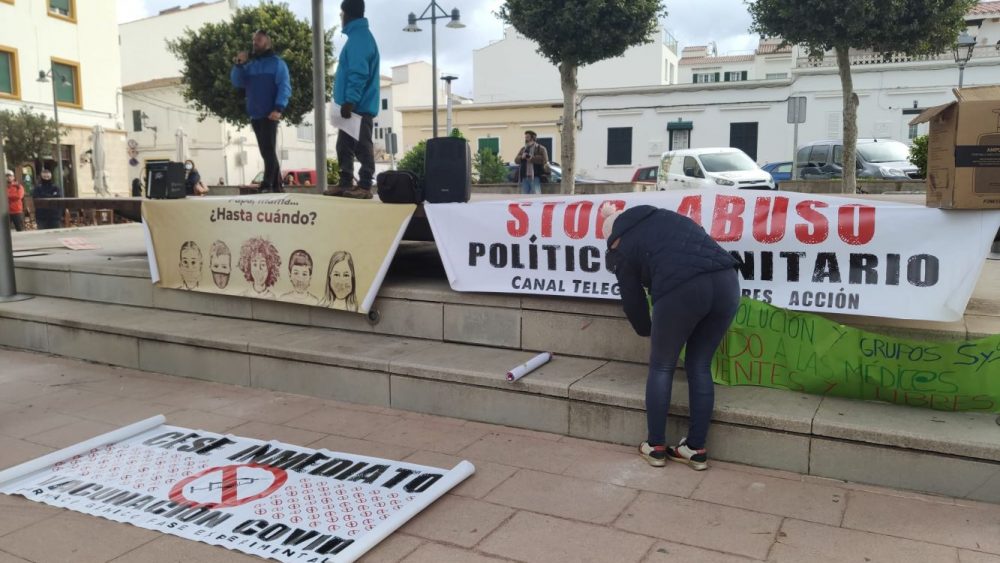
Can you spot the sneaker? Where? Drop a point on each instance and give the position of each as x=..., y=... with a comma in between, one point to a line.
x=696, y=459
x=655, y=455
x=357, y=193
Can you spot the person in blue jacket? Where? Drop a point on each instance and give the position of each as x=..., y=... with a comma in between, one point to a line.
x=694, y=289
x=264, y=77
x=356, y=90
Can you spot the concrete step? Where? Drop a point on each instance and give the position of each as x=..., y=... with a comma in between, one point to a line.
x=875, y=443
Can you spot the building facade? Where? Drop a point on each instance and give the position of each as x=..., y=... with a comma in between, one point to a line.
x=162, y=126
x=71, y=43
x=742, y=101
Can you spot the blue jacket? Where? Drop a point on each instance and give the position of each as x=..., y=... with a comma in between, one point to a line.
x=47, y=190
x=358, y=74
x=265, y=79
x=659, y=250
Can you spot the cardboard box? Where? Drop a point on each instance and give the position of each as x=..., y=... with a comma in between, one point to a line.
x=963, y=152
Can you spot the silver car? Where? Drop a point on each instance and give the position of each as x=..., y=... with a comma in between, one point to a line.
x=877, y=158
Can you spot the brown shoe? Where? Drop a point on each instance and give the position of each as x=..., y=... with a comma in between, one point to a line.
x=357, y=193
x=335, y=190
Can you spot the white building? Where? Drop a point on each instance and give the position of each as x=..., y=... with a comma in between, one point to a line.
x=742, y=101
x=410, y=85
x=511, y=70
x=76, y=45
x=158, y=118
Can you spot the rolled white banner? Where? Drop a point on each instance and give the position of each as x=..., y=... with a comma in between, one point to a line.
x=459, y=473
x=529, y=366
x=123, y=433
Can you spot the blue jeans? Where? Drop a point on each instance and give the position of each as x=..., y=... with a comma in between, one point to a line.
x=531, y=185
x=697, y=313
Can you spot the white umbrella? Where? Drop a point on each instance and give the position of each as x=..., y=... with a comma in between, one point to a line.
x=97, y=162
x=181, y=150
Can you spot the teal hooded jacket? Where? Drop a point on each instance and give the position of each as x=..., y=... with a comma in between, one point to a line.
x=358, y=74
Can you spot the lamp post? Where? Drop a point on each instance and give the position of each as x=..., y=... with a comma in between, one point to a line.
x=43, y=77
x=448, y=79
x=963, y=52
x=8, y=285
x=436, y=13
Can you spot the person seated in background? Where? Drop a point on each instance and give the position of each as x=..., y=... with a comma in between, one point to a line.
x=47, y=217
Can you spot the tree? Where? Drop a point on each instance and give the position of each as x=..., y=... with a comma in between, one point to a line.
x=206, y=56
x=918, y=154
x=913, y=27
x=575, y=33
x=413, y=160
x=489, y=167
x=27, y=136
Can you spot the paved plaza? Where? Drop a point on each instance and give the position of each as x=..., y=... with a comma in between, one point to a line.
x=534, y=497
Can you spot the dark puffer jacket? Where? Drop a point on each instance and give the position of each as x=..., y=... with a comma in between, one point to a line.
x=659, y=250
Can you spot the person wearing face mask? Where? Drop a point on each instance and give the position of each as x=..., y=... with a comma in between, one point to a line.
x=46, y=217
x=694, y=289
x=341, y=288
x=192, y=180
x=264, y=77
x=15, y=201
x=300, y=270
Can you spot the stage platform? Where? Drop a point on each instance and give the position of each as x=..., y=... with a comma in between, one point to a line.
x=430, y=349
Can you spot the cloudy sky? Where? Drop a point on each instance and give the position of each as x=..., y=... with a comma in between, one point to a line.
x=689, y=21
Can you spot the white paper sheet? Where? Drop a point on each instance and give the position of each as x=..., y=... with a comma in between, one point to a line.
x=351, y=125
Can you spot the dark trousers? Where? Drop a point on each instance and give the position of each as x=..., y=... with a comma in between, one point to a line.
x=267, y=139
x=47, y=222
x=697, y=313
x=348, y=147
x=17, y=220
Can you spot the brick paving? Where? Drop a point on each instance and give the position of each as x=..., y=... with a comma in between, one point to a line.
x=534, y=497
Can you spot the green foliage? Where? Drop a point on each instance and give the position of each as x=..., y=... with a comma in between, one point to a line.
x=207, y=58
x=414, y=160
x=332, y=171
x=456, y=133
x=918, y=154
x=27, y=136
x=489, y=167
x=913, y=27
x=582, y=32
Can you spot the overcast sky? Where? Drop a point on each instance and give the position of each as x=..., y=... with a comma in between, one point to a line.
x=689, y=22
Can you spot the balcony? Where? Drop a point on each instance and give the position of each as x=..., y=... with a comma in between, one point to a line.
x=869, y=59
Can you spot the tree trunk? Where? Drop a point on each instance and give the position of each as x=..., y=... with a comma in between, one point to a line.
x=850, y=182
x=567, y=72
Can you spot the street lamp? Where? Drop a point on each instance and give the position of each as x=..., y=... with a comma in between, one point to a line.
x=43, y=77
x=963, y=52
x=436, y=13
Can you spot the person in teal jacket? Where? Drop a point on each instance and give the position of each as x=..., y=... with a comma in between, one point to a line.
x=356, y=90
x=264, y=77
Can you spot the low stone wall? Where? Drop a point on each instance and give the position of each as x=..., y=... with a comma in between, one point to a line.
x=864, y=186
x=553, y=189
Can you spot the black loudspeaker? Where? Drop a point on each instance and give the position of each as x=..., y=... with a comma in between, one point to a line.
x=447, y=170
x=165, y=180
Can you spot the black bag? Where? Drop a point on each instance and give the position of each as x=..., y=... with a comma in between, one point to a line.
x=448, y=166
x=399, y=186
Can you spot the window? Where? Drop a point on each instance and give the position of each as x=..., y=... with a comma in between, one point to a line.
x=385, y=103
x=619, y=146
x=705, y=77
x=818, y=154
x=776, y=75
x=838, y=155
x=914, y=133
x=66, y=75
x=784, y=168
x=547, y=143
x=136, y=120
x=9, y=84
x=63, y=9
x=691, y=168
x=491, y=144
x=305, y=132
x=743, y=136
x=737, y=76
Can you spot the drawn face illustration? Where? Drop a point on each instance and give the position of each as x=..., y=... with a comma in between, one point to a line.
x=301, y=276
x=258, y=269
x=221, y=268
x=340, y=280
x=190, y=267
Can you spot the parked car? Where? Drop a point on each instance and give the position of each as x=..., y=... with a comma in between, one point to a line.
x=514, y=172
x=779, y=171
x=645, y=175
x=712, y=167
x=877, y=158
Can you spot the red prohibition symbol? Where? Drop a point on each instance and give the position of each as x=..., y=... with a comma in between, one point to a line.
x=229, y=486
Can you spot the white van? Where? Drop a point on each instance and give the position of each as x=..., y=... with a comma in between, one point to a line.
x=716, y=167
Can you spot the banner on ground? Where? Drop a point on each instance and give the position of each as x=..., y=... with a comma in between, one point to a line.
x=268, y=499
x=771, y=347
x=797, y=251
x=298, y=248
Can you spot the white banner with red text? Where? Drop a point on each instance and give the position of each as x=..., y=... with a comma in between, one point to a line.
x=798, y=251
x=269, y=499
